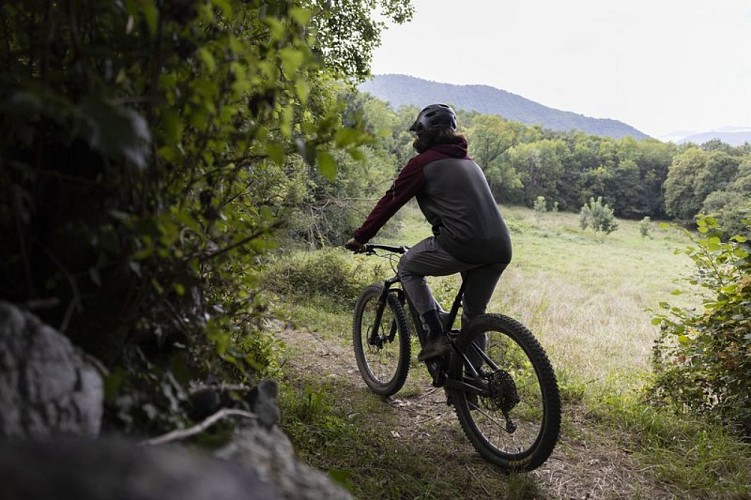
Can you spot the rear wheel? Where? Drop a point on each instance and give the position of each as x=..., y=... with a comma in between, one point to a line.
x=507, y=401
x=382, y=350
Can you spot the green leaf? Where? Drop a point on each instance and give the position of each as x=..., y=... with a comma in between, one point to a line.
x=173, y=126
x=326, y=164
x=224, y=6
x=347, y=136
x=300, y=16
x=275, y=151
x=303, y=90
x=114, y=131
x=356, y=154
x=714, y=244
x=151, y=15
x=208, y=59
x=276, y=28
x=292, y=59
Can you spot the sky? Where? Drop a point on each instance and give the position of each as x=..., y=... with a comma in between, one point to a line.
x=661, y=66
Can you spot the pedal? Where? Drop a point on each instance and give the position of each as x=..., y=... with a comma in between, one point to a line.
x=435, y=368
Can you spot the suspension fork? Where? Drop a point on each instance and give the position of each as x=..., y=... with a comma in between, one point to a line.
x=381, y=306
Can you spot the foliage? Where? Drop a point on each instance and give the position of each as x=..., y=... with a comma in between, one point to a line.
x=490, y=137
x=645, y=227
x=732, y=204
x=696, y=178
x=540, y=206
x=347, y=31
x=597, y=216
x=327, y=272
x=702, y=357
x=140, y=137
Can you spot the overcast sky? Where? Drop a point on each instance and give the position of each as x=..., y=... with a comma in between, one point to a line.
x=657, y=65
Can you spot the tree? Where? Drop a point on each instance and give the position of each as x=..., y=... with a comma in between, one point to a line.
x=539, y=167
x=490, y=137
x=347, y=31
x=138, y=136
x=732, y=205
x=681, y=200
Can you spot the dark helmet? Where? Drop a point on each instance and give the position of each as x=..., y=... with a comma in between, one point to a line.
x=433, y=117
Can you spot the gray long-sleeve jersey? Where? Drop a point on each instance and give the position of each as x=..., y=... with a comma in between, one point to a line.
x=455, y=198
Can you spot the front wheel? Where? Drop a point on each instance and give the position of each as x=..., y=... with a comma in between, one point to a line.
x=382, y=348
x=505, y=393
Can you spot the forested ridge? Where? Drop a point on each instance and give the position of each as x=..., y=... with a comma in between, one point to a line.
x=403, y=90
x=157, y=156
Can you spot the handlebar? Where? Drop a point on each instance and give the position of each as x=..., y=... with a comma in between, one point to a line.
x=370, y=248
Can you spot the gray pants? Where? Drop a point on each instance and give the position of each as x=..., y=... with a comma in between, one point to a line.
x=428, y=258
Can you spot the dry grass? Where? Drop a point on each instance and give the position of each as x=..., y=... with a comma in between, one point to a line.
x=587, y=297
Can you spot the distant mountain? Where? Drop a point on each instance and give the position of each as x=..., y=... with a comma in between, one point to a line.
x=734, y=136
x=402, y=90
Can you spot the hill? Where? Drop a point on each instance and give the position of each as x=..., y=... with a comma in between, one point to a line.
x=734, y=136
x=402, y=90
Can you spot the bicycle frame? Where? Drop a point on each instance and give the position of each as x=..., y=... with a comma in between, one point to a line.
x=494, y=372
x=438, y=370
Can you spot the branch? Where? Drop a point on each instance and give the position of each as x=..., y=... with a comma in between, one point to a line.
x=240, y=243
x=220, y=388
x=199, y=428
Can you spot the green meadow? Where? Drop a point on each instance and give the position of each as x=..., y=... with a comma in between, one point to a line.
x=587, y=297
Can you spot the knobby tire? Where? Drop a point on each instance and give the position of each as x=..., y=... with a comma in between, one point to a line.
x=384, y=367
x=525, y=372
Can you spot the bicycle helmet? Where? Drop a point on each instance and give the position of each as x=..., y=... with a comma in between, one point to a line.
x=433, y=117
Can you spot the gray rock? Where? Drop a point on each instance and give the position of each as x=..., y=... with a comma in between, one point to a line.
x=105, y=469
x=269, y=453
x=47, y=386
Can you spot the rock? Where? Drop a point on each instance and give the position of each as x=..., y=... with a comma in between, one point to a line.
x=269, y=453
x=50, y=392
x=263, y=403
x=89, y=469
x=47, y=386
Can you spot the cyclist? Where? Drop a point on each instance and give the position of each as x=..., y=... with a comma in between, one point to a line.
x=469, y=234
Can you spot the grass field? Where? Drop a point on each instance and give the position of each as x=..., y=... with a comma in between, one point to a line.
x=588, y=299
x=586, y=296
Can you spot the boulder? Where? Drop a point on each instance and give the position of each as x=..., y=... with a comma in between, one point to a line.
x=47, y=386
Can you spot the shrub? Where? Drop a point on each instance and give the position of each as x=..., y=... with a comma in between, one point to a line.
x=645, y=226
x=541, y=206
x=327, y=273
x=597, y=216
x=702, y=356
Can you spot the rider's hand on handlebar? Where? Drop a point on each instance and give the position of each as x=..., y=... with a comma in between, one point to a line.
x=354, y=245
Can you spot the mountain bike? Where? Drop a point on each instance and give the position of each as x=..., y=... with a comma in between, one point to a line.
x=496, y=376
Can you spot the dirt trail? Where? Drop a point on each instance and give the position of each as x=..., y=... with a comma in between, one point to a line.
x=585, y=464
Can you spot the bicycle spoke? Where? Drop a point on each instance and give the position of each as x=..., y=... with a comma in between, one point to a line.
x=514, y=422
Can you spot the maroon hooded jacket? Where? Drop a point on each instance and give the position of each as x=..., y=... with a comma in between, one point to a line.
x=455, y=198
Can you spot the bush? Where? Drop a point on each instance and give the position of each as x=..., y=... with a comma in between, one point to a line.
x=645, y=226
x=541, y=206
x=329, y=273
x=597, y=216
x=702, y=357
